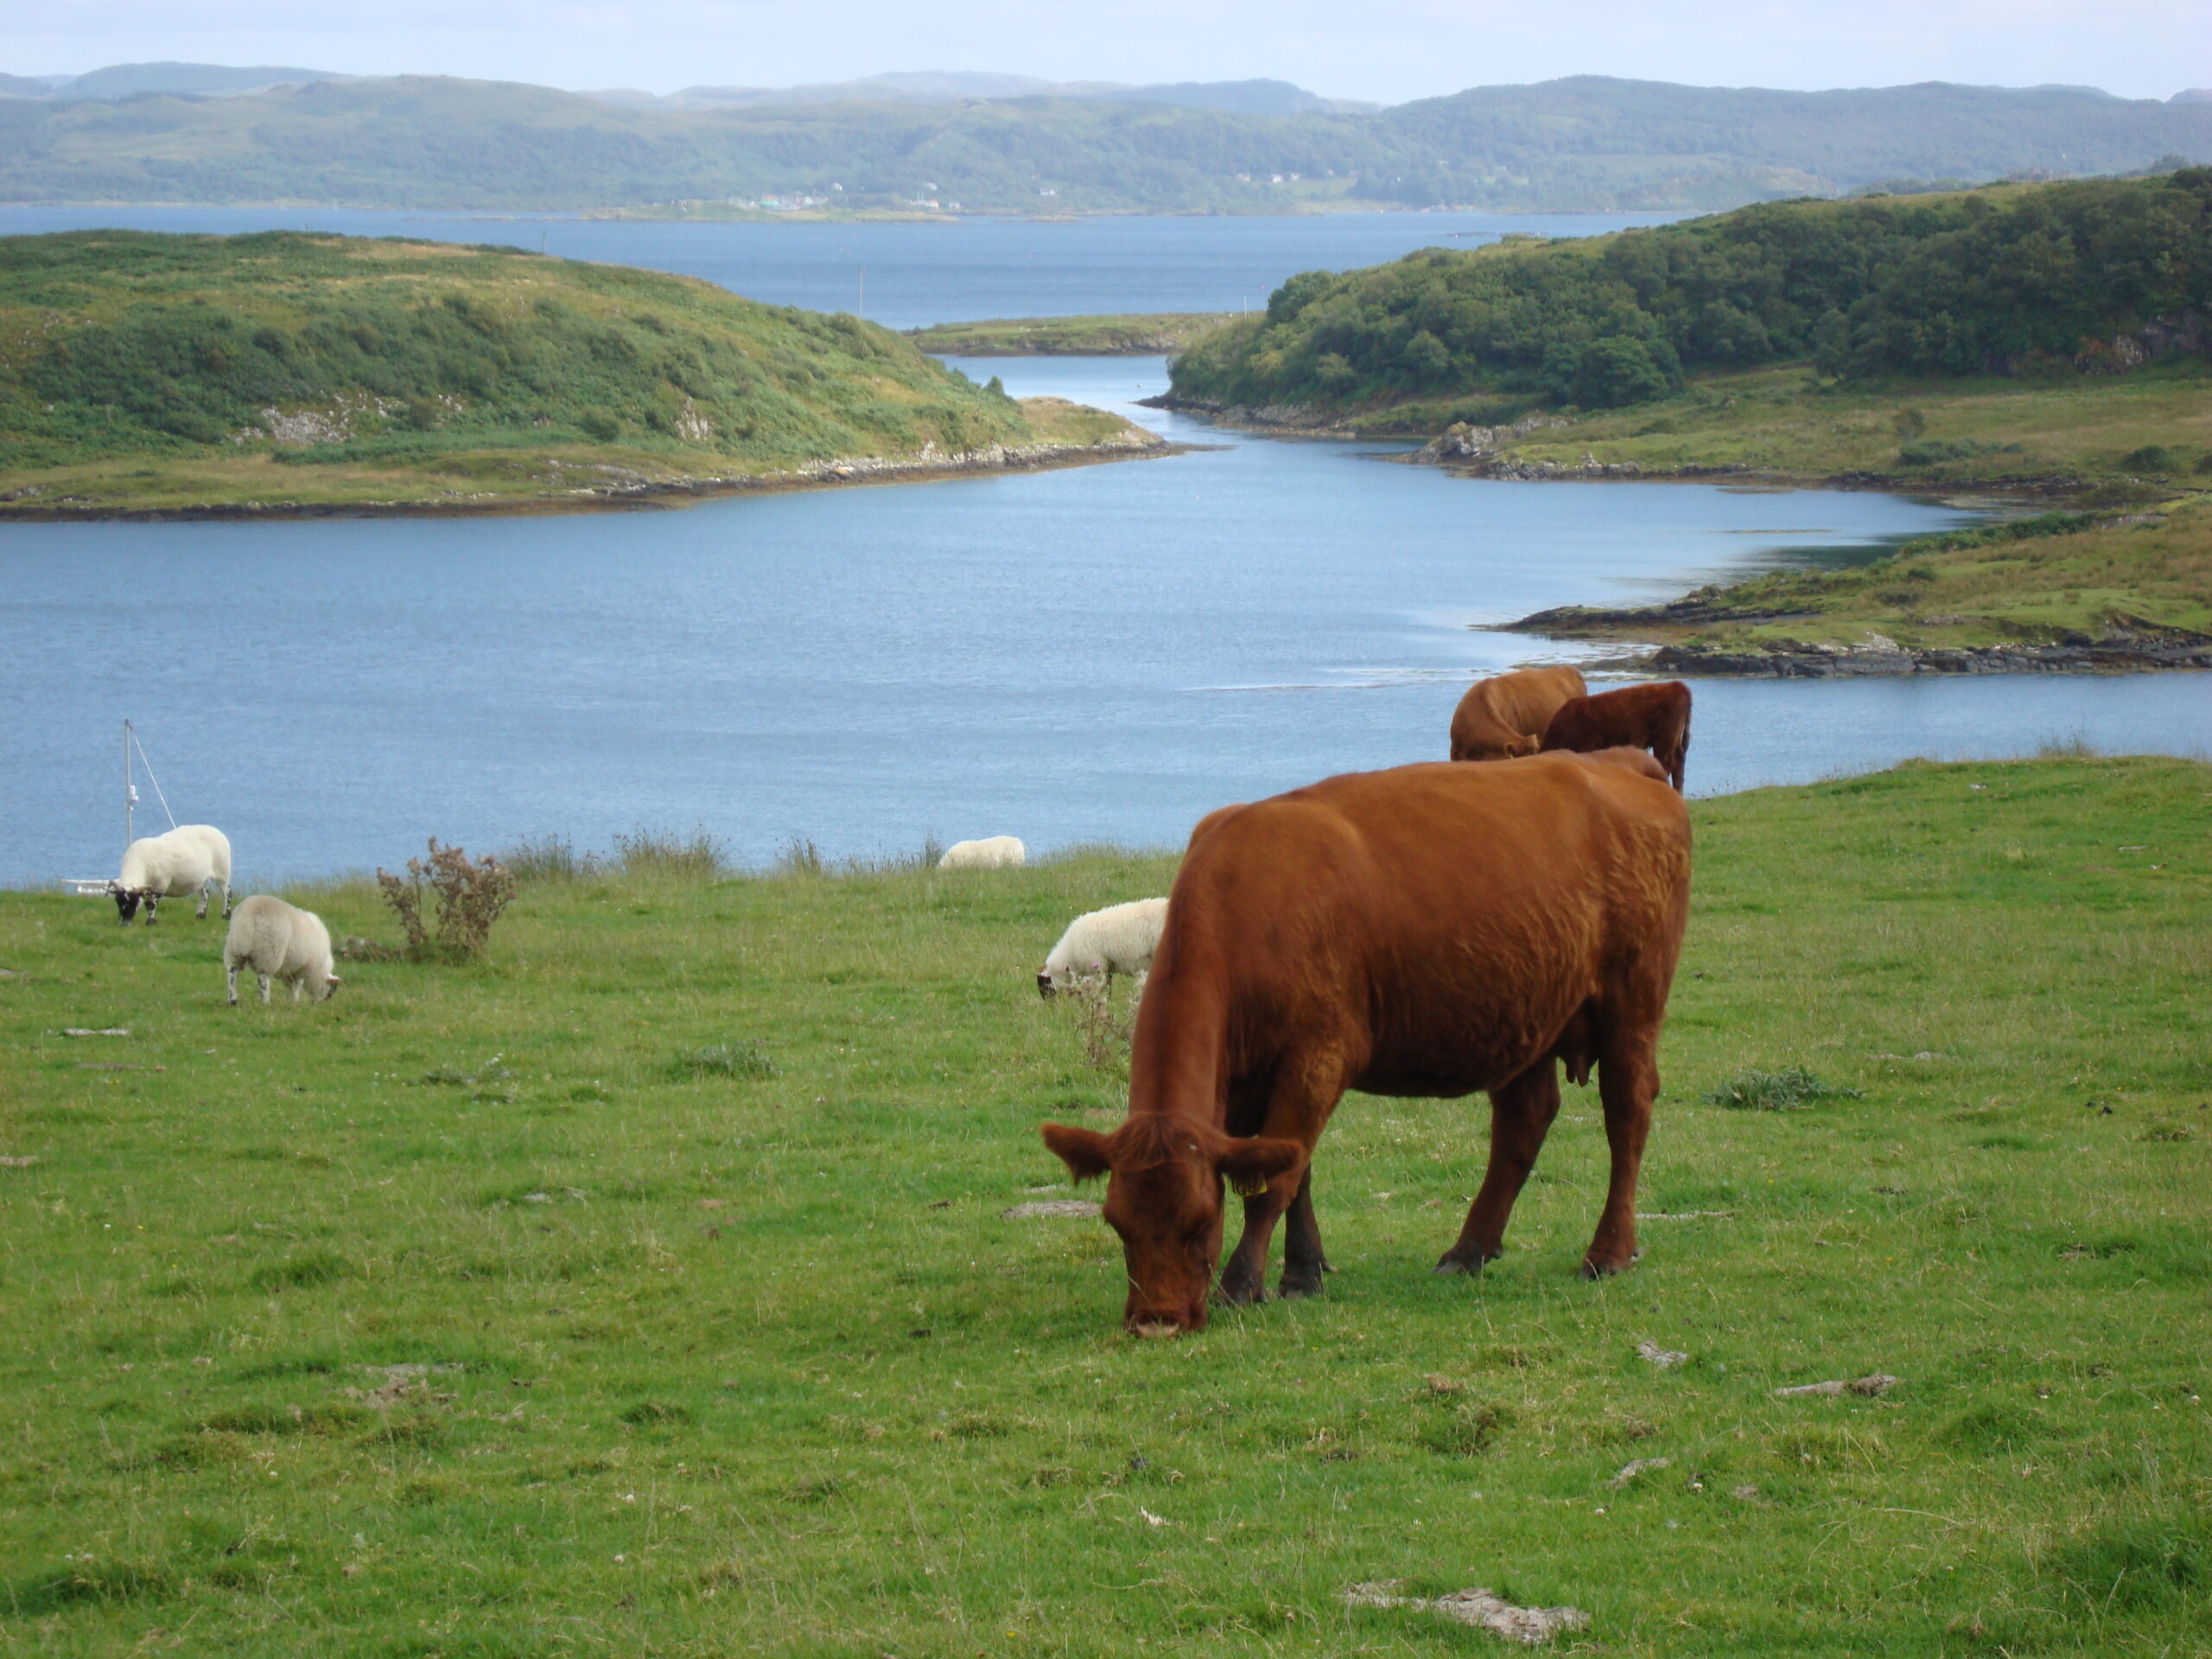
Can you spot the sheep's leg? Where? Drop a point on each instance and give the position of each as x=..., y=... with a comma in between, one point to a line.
x=264, y=988
x=296, y=993
x=1303, y=1262
x=230, y=983
x=1305, y=1091
x=153, y=902
x=1521, y=1114
x=207, y=891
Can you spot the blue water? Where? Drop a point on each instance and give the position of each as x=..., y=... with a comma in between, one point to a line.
x=907, y=275
x=1105, y=653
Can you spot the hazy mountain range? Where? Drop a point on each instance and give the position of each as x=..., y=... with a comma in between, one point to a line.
x=1003, y=143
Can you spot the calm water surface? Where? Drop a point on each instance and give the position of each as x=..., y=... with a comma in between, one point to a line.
x=906, y=276
x=1106, y=653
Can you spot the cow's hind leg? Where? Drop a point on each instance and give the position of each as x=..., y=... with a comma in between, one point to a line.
x=1628, y=1082
x=1305, y=1091
x=1521, y=1114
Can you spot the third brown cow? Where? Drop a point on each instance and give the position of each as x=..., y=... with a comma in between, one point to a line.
x=1427, y=930
x=1506, y=714
x=1655, y=717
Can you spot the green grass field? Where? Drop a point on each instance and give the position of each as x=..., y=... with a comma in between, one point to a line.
x=646, y=1289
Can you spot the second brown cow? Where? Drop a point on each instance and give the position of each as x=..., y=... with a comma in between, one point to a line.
x=1656, y=717
x=1506, y=714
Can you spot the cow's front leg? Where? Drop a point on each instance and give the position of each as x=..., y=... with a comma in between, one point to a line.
x=1306, y=1091
x=1243, y=1277
x=1303, y=1261
x=1521, y=1116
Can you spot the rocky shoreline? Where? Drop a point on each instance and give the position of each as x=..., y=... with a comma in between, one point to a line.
x=2129, y=644
x=621, y=487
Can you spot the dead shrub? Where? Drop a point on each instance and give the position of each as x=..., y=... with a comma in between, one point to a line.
x=1105, y=1029
x=469, y=895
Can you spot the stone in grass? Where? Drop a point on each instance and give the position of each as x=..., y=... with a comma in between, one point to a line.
x=102, y=1031
x=1476, y=1607
x=1665, y=1358
x=1879, y=1382
x=1073, y=1208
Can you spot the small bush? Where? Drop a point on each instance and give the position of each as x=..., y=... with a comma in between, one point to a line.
x=600, y=426
x=2203, y=463
x=470, y=897
x=1106, y=1033
x=1776, y=1091
x=2151, y=458
x=743, y=1059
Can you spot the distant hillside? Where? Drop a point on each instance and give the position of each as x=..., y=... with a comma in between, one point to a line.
x=1582, y=144
x=303, y=366
x=127, y=80
x=2098, y=275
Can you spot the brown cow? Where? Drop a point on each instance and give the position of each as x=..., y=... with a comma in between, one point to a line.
x=1655, y=717
x=1428, y=930
x=1506, y=714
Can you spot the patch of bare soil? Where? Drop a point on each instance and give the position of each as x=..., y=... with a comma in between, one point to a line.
x=1071, y=1208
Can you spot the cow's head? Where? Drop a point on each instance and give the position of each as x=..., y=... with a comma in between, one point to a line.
x=1164, y=1197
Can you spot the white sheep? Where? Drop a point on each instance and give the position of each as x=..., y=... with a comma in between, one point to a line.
x=278, y=941
x=1119, y=939
x=155, y=867
x=997, y=853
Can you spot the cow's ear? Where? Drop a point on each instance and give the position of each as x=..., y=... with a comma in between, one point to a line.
x=1083, y=1151
x=1248, y=1165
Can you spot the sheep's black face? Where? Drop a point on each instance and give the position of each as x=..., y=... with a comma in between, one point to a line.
x=1045, y=986
x=126, y=902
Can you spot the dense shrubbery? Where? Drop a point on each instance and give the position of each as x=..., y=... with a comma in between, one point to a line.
x=1992, y=281
x=118, y=341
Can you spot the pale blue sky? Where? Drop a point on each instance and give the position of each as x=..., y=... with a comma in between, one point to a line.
x=1389, y=52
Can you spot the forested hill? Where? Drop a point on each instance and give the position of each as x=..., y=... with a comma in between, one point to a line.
x=2100, y=274
x=1585, y=143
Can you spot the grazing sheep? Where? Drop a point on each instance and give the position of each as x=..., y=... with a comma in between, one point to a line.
x=1119, y=939
x=1505, y=715
x=278, y=941
x=997, y=853
x=155, y=867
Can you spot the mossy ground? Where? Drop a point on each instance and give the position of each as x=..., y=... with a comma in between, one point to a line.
x=713, y=1361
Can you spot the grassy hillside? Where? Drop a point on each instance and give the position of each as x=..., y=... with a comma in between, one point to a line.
x=2097, y=276
x=149, y=371
x=648, y=1286
x=1580, y=145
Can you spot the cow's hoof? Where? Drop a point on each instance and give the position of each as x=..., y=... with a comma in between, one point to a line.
x=1303, y=1285
x=1593, y=1269
x=1470, y=1262
x=1241, y=1296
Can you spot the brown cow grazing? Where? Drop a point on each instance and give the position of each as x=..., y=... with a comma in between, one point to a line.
x=1506, y=714
x=1655, y=717
x=1432, y=930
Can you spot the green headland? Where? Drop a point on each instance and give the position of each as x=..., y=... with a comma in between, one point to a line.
x=650, y=1285
x=285, y=372
x=2047, y=343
